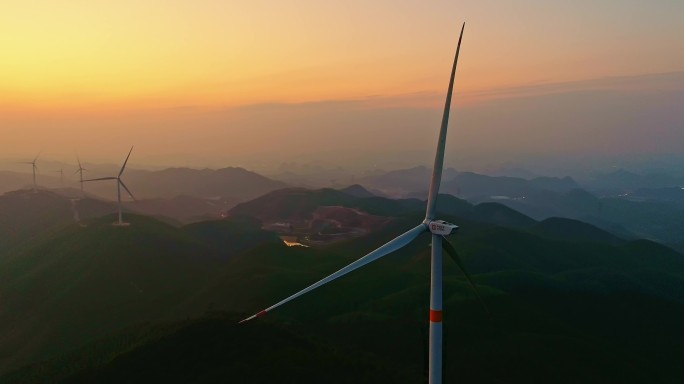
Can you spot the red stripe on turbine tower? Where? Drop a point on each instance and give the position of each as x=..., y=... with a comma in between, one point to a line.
x=435, y=316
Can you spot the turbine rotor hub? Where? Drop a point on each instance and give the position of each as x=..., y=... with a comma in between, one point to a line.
x=441, y=227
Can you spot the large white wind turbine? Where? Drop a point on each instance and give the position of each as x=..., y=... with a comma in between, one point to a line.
x=119, y=184
x=438, y=228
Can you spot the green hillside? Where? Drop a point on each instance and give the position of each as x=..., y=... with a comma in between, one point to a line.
x=27, y=215
x=570, y=302
x=91, y=280
x=215, y=349
x=82, y=281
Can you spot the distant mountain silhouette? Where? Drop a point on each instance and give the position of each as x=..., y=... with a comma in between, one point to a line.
x=414, y=182
x=574, y=230
x=404, y=181
x=667, y=195
x=472, y=185
x=12, y=181
x=300, y=204
x=624, y=216
x=357, y=190
x=622, y=181
x=294, y=203
x=555, y=184
x=231, y=182
x=501, y=215
x=185, y=209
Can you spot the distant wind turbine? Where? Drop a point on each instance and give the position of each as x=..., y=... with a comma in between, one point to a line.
x=119, y=184
x=80, y=171
x=34, y=168
x=439, y=230
x=61, y=176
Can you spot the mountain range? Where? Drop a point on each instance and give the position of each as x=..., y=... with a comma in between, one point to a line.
x=87, y=302
x=231, y=183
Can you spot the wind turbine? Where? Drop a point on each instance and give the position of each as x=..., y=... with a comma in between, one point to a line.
x=438, y=228
x=34, y=168
x=80, y=172
x=119, y=184
x=61, y=176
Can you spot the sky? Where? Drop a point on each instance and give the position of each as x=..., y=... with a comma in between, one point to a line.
x=253, y=83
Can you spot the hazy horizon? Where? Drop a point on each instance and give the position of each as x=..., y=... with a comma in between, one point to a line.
x=212, y=84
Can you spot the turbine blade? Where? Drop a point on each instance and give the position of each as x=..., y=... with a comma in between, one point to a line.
x=127, y=190
x=79, y=162
x=394, y=245
x=451, y=251
x=37, y=156
x=102, y=178
x=441, y=142
x=125, y=161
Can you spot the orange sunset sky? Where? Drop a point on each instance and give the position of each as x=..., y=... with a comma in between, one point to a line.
x=216, y=83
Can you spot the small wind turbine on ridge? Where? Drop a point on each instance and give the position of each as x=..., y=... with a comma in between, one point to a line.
x=61, y=176
x=439, y=230
x=119, y=184
x=80, y=171
x=34, y=168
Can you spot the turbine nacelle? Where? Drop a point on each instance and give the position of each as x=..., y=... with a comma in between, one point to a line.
x=441, y=227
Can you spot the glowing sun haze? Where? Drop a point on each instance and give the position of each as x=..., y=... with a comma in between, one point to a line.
x=215, y=80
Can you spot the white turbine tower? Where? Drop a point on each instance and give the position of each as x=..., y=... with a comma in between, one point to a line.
x=119, y=184
x=438, y=228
